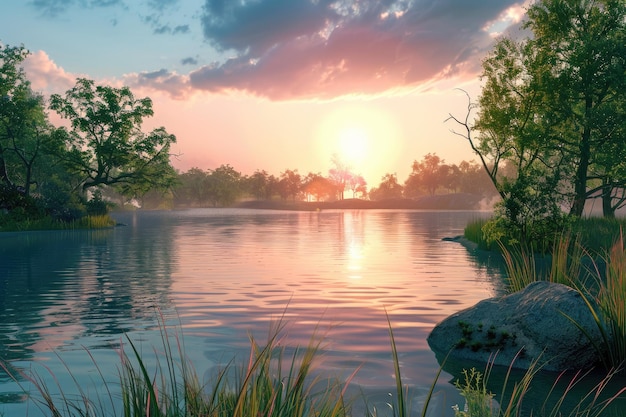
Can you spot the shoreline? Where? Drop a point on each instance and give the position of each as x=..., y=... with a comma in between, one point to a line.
x=436, y=202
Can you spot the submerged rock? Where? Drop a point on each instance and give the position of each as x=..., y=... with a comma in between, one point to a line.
x=522, y=327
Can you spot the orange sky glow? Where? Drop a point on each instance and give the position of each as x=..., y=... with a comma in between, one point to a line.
x=275, y=85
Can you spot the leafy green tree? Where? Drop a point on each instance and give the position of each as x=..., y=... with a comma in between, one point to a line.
x=25, y=136
x=261, y=185
x=191, y=188
x=582, y=46
x=472, y=179
x=25, y=132
x=550, y=107
x=223, y=186
x=106, y=145
x=428, y=175
x=27, y=140
x=12, y=79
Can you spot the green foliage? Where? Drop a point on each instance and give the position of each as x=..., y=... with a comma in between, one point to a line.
x=96, y=206
x=550, y=120
x=18, y=204
x=61, y=201
x=7, y=224
x=607, y=304
x=105, y=145
x=605, y=297
x=595, y=234
x=478, y=400
x=223, y=186
x=539, y=233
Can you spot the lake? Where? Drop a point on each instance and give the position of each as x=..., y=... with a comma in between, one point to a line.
x=217, y=276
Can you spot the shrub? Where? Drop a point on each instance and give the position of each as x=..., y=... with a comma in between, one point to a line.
x=96, y=206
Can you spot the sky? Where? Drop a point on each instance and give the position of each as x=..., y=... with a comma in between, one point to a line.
x=277, y=84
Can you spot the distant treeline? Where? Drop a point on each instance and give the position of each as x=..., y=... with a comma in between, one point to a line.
x=224, y=186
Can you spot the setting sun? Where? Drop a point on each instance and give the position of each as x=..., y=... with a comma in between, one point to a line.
x=354, y=146
x=365, y=139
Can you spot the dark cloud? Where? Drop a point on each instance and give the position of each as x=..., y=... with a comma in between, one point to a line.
x=162, y=80
x=166, y=29
x=181, y=29
x=161, y=5
x=160, y=30
x=189, y=61
x=323, y=48
x=154, y=74
x=157, y=10
x=55, y=7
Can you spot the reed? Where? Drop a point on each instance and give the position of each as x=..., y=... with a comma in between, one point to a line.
x=605, y=297
x=48, y=223
x=607, y=304
x=612, y=301
x=595, y=234
x=521, y=267
x=474, y=232
x=478, y=400
x=274, y=384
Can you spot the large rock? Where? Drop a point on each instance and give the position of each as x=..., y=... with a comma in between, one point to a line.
x=520, y=328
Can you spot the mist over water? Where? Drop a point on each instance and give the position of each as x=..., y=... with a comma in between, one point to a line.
x=220, y=275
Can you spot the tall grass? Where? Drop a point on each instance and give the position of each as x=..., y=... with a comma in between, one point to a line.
x=274, y=384
x=49, y=223
x=521, y=267
x=269, y=385
x=607, y=304
x=565, y=264
x=595, y=234
x=612, y=301
x=604, y=292
x=474, y=233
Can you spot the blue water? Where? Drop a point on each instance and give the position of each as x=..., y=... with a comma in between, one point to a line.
x=69, y=299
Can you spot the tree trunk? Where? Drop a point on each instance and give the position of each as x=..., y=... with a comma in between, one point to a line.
x=580, y=180
x=4, y=176
x=608, y=210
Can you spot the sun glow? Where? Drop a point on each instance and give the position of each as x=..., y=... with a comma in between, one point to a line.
x=362, y=138
x=354, y=145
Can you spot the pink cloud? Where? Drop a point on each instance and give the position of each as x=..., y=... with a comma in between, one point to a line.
x=283, y=50
x=46, y=76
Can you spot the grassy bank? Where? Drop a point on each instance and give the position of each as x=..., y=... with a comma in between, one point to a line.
x=590, y=258
x=596, y=234
x=8, y=224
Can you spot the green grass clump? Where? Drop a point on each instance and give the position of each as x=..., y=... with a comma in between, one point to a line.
x=271, y=384
x=8, y=224
x=604, y=291
x=607, y=304
x=595, y=234
x=474, y=233
x=478, y=400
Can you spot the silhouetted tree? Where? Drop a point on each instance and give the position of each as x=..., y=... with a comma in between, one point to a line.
x=389, y=188
x=290, y=184
x=340, y=174
x=357, y=185
x=319, y=187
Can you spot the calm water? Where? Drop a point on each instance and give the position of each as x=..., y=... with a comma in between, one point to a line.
x=222, y=275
